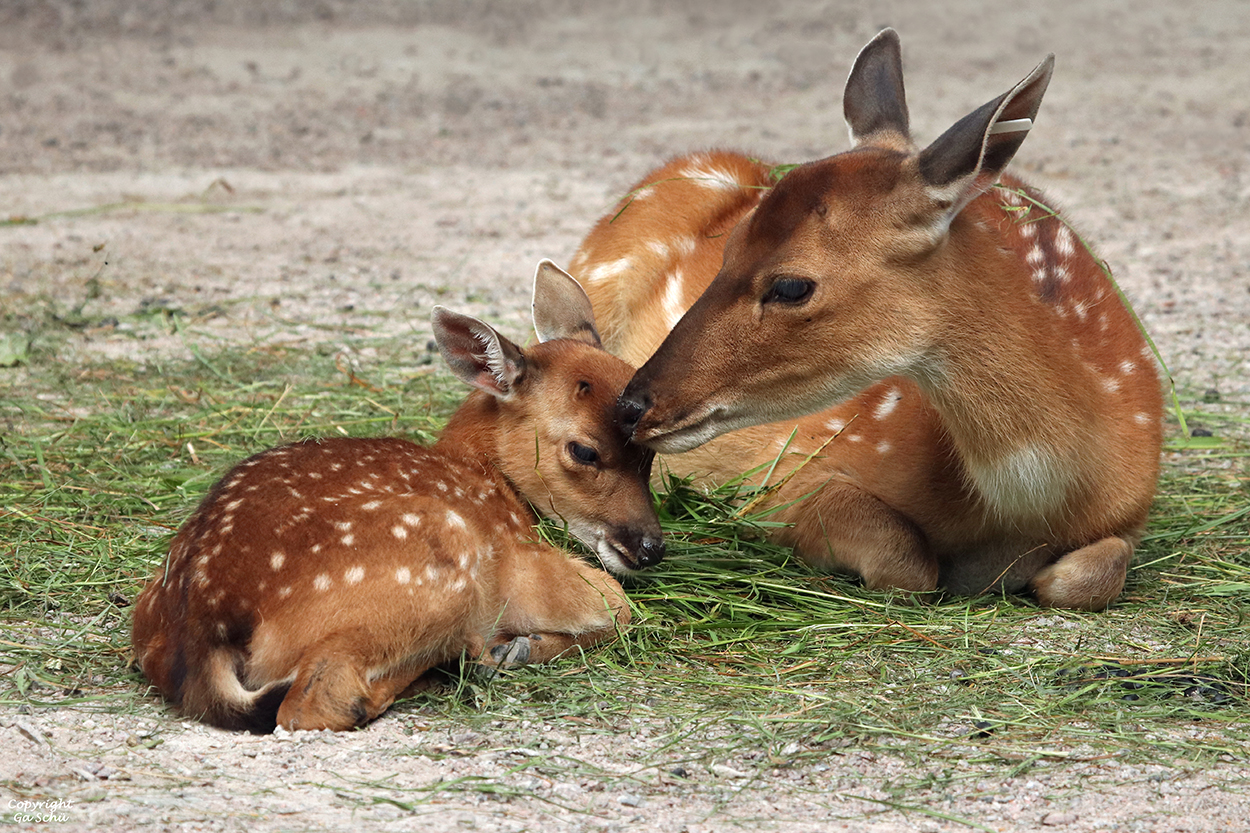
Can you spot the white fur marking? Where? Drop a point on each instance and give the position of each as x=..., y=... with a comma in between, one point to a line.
x=1027, y=483
x=610, y=269
x=888, y=403
x=403, y=575
x=355, y=575
x=1064, y=242
x=455, y=521
x=276, y=560
x=673, y=306
x=706, y=176
x=322, y=582
x=399, y=532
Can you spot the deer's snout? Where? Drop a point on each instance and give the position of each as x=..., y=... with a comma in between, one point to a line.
x=630, y=406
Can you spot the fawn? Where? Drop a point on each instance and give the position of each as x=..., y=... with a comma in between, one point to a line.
x=997, y=412
x=318, y=580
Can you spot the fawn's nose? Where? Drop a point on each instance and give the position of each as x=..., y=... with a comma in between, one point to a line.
x=651, y=552
x=630, y=406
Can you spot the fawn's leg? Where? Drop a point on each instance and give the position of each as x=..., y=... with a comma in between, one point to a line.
x=1089, y=578
x=844, y=528
x=556, y=603
x=332, y=689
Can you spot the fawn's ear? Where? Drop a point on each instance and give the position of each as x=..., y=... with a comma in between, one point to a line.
x=561, y=307
x=874, y=103
x=969, y=157
x=477, y=354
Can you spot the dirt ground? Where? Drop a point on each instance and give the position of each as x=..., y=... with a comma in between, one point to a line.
x=351, y=163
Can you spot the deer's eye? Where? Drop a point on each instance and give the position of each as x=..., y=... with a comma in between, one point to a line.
x=583, y=454
x=789, y=291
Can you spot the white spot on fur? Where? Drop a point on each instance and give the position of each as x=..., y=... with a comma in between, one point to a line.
x=685, y=245
x=399, y=532
x=704, y=175
x=659, y=248
x=1064, y=242
x=888, y=403
x=284, y=592
x=403, y=575
x=883, y=447
x=1128, y=366
x=1110, y=384
x=315, y=548
x=348, y=539
x=234, y=504
x=610, y=269
x=410, y=519
x=276, y=560
x=1142, y=418
x=354, y=575
x=455, y=521
x=673, y=297
x=373, y=504
x=322, y=582
x=343, y=526
x=1035, y=257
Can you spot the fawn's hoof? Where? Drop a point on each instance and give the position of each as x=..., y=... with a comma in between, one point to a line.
x=511, y=654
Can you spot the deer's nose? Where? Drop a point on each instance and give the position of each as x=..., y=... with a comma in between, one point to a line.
x=651, y=552
x=630, y=407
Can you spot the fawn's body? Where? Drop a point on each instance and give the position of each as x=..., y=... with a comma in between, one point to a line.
x=318, y=580
x=999, y=409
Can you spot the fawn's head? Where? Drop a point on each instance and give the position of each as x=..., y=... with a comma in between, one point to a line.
x=547, y=418
x=841, y=276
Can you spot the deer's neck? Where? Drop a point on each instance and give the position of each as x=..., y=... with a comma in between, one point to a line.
x=473, y=430
x=1014, y=396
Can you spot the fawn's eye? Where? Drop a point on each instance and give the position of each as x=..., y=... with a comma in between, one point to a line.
x=584, y=454
x=789, y=291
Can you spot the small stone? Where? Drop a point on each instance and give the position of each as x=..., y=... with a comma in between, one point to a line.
x=1058, y=819
x=630, y=800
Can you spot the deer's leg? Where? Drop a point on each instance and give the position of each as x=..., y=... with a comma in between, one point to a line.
x=332, y=688
x=842, y=527
x=1089, y=578
x=551, y=604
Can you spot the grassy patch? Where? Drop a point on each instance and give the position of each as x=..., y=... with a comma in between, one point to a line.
x=739, y=656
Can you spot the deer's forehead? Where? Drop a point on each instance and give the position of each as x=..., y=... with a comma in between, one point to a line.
x=848, y=184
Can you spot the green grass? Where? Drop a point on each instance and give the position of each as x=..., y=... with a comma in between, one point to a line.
x=738, y=654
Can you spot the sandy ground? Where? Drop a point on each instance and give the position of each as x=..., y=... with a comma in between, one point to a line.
x=350, y=164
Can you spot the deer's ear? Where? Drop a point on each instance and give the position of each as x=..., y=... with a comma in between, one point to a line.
x=969, y=157
x=561, y=307
x=874, y=103
x=477, y=354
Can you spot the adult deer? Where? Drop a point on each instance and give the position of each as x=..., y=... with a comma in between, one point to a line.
x=1000, y=410
x=318, y=580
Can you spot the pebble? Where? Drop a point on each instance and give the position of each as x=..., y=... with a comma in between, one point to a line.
x=1058, y=819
